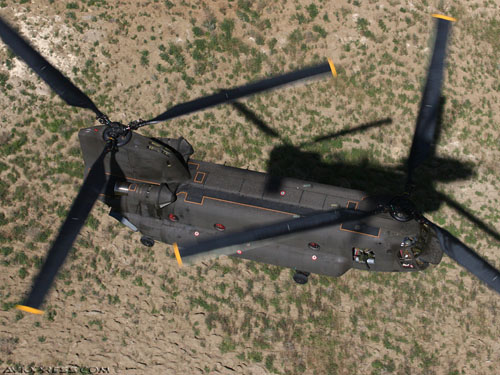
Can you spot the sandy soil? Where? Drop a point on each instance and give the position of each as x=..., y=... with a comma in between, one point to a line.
x=131, y=309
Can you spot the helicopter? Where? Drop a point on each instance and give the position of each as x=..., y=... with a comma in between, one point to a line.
x=153, y=186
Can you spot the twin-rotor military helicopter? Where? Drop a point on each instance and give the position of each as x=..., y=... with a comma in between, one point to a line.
x=205, y=209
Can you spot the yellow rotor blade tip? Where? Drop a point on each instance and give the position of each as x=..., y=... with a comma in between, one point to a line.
x=29, y=309
x=177, y=254
x=332, y=67
x=444, y=17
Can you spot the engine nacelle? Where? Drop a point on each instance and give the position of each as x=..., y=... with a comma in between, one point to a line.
x=158, y=196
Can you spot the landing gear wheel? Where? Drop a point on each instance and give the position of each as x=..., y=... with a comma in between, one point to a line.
x=146, y=241
x=301, y=277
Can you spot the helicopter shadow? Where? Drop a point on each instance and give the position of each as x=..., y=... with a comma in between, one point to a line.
x=287, y=160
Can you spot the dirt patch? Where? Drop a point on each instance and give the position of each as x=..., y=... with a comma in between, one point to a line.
x=131, y=309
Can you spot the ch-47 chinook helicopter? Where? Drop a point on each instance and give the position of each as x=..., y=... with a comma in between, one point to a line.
x=205, y=209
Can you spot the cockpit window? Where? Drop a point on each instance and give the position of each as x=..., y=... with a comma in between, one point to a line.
x=412, y=247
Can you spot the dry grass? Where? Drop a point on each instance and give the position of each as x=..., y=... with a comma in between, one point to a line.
x=119, y=305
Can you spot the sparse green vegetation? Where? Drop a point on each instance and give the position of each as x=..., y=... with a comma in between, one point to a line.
x=124, y=296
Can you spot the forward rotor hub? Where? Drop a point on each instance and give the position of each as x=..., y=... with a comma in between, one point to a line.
x=116, y=135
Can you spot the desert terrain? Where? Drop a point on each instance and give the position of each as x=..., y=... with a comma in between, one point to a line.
x=120, y=305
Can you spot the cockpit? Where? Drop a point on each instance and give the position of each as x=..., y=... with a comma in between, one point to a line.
x=412, y=253
x=416, y=252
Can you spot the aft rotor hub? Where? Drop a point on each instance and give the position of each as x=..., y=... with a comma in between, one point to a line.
x=402, y=209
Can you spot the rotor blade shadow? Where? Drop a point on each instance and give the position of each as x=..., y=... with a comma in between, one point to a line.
x=251, y=116
x=230, y=95
x=287, y=160
x=480, y=224
x=442, y=170
x=341, y=133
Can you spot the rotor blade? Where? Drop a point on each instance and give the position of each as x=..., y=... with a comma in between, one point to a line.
x=427, y=116
x=82, y=205
x=467, y=258
x=242, y=91
x=53, y=77
x=253, y=238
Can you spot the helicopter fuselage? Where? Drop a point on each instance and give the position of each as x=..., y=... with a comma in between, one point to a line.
x=155, y=188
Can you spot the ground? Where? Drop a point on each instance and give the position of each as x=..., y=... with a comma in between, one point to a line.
x=120, y=305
